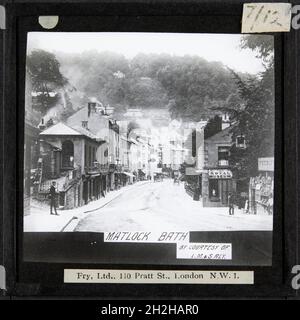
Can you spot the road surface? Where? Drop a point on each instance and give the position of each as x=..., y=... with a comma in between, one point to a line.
x=166, y=206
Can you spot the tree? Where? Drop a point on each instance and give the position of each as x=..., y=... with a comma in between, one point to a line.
x=253, y=112
x=44, y=73
x=255, y=121
x=213, y=126
x=262, y=45
x=189, y=87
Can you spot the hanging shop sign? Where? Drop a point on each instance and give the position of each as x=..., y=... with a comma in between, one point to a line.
x=266, y=164
x=220, y=174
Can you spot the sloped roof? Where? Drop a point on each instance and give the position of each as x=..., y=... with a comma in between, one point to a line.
x=124, y=138
x=80, y=115
x=87, y=133
x=95, y=122
x=223, y=135
x=134, y=141
x=60, y=129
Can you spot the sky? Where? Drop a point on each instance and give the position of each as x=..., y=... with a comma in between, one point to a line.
x=212, y=47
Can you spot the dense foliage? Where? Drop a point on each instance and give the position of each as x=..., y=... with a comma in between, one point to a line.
x=189, y=86
x=254, y=117
x=43, y=70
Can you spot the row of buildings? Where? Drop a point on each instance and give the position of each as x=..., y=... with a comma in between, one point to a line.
x=90, y=154
x=211, y=174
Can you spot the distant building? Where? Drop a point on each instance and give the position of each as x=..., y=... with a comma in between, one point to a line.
x=194, y=155
x=134, y=113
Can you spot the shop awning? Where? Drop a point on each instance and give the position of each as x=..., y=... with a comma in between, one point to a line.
x=129, y=174
x=93, y=175
x=142, y=172
x=190, y=171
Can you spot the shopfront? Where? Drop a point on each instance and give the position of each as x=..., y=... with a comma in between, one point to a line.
x=217, y=184
x=261, y=188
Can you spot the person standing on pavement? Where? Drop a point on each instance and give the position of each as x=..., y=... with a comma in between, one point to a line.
x=270, y=205
x=52, y=196
x=231, y=204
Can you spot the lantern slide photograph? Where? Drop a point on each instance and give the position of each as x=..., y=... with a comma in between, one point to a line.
x=165, y=142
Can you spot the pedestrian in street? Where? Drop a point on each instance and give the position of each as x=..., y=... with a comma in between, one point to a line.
x=196, y=194
x=270, y=205
x=231, y=204
x=52, y=196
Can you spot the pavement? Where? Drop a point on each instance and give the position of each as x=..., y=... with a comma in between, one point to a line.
x=40, y=219
x=144, y=206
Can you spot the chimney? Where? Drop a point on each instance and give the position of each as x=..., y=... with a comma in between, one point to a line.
x=91, y=108
x=84, y=124
x=225, y=121
x=42, y=125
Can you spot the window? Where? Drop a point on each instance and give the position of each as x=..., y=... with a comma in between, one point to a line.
x=67, y=154
x=223, y=156
x=94, y=157
x=86, y=163
x=84, y=124
x=213, y=188
x=194, y=151
x=223, y=153
x=240, y=142
x=90, y=156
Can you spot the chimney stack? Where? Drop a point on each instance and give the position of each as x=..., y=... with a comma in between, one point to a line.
x=225, y=121
x=91, y=108
x=42, y=125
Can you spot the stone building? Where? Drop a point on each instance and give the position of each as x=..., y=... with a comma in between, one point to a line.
x=68, y=157
x=217, y=178
x=31, y=151
x=94, y=119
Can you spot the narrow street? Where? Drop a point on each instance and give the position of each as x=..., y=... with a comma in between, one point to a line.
x=166, y=206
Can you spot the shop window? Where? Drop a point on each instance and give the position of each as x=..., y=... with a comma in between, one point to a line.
x=213, y=188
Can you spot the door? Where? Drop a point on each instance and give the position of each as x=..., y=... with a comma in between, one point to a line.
x=225, y=186
x=85, y=192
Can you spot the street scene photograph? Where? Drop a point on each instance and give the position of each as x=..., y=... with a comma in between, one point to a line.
x=137, y=132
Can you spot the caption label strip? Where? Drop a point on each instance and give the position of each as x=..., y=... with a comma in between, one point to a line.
x=204, y=251
x=266, y=17
x=158, y=276
x=184, y=248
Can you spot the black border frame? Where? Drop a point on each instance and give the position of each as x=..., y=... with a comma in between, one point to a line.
x=170, y=16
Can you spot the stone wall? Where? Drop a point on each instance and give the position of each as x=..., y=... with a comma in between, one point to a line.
x=73, y=196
